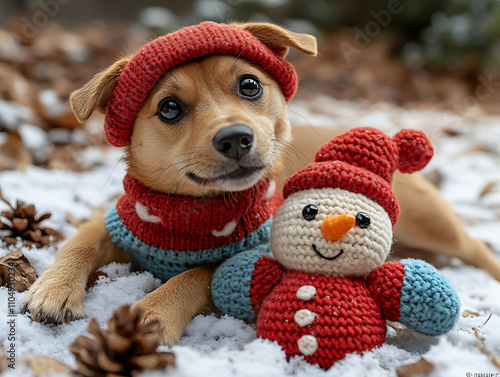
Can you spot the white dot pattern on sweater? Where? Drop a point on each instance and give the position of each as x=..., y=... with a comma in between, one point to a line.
x=362, y=250
x=227, y=230
x=143, y=213
x=306, y=292
x=304, y=317
x=307, y=344
x=270, y=191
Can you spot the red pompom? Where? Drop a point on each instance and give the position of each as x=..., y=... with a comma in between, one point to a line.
x=415, y=150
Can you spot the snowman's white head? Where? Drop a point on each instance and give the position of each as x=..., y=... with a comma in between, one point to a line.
x=339, y=211
x=332, y=232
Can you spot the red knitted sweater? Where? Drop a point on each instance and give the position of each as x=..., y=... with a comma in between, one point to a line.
x=169, y=234
x=349, y=314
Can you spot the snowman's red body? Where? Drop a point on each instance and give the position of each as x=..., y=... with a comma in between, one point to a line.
x=345, y=316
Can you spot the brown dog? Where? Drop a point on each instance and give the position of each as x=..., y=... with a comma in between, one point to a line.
x=183, y=159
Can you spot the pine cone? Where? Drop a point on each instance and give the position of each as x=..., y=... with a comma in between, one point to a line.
x=21, y=221
x=126, y=348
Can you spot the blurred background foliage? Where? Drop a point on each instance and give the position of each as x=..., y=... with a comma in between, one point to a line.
x=448, y=34
x=440, y=54
x=408, y=52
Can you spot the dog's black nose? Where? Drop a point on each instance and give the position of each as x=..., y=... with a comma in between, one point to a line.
x=234, y=141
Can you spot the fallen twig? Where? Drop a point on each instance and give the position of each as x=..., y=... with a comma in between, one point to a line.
x=494, y=357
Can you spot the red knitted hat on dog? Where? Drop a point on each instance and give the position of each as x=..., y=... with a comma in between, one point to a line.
x=363, y=161
x=150, y=63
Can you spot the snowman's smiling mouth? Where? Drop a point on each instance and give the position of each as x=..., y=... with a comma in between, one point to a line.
x=327, y=258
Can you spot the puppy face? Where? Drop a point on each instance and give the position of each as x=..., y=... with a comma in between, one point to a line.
x=212, y=125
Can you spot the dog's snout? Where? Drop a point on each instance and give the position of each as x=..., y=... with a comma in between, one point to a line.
x=234, y=141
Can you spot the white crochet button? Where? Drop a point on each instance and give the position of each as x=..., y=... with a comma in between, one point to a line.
x=307, y=345
x=143, y=213
x=270, y=191
x=306, y=292
x=226, y=231
x=304, y=317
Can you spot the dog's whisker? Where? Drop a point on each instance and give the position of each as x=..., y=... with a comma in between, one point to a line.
x=234, y=64
x=290, y=150
x=232, y=197
x=169, y=167
x=287, y=157
x=135, y=146
x=286, y=160
x=156, y=171
x=288, y=154
x=112, y=171
x=305, y=120
x=284, y=153
x=174, y=178
x=124, y=155
x=291, y=147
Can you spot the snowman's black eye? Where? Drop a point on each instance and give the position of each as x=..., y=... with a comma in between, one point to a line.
x=309, y=212
x=363, y=220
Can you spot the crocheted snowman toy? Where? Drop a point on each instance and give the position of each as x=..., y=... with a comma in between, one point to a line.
x=328, y=291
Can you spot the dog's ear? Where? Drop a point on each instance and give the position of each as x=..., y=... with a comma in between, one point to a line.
x=94, y=96
x=279, y=39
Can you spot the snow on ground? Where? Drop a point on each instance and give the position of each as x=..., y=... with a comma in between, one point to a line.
x=467, y=162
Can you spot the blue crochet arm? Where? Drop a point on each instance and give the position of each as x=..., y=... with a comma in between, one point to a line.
x=235, y=288
x=428, y=303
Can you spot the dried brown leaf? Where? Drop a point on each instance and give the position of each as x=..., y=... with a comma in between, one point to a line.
x=3, y=359
x=468, y=314
x=451, y=132
x=14, y=87
x=13, y=154
x=16, y=272
x=494, y=357
x=94, y=278
x=61, y=119
x=65, y=158
x=420, y=368
x=489, y=188
x=42, y=366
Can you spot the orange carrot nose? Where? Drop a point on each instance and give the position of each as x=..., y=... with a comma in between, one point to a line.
x=333, y=228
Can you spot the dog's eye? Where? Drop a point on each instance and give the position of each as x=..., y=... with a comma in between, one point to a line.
x=169, y=110
x=309, y=212
x=250, y=87
x=363, y=220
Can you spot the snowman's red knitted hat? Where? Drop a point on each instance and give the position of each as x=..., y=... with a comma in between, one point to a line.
x=150, y=63
x=363, y=161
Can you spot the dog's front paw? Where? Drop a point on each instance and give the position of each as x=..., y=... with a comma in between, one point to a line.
x=55, y=297
x=172, y=329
